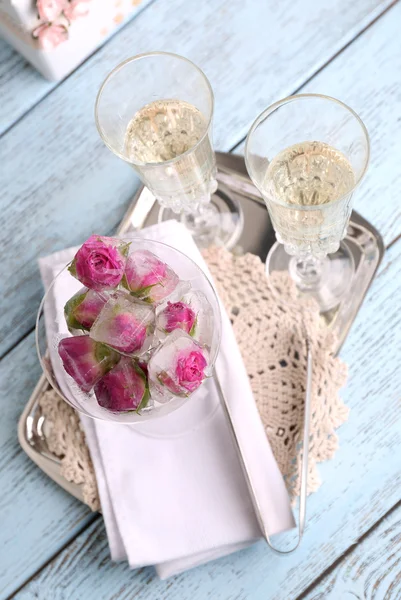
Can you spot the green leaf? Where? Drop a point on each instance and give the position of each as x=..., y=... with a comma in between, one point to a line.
x=193, y=328
x=144, y=401
x=107, y=354
x=69, y=309
x=72, y=268
x=125, y=249
x=143, y=293
x=124, y=282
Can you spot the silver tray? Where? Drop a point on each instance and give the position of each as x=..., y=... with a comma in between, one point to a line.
x=257, y=237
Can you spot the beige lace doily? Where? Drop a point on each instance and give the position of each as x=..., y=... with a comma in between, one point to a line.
x=272, y=343
x=66, y=439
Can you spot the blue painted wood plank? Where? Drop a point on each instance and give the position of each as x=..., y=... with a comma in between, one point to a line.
x=359, y=486
x=36, y=516
x=370, y=570
x=17, y=75
x=59, y=184
x=21, y=86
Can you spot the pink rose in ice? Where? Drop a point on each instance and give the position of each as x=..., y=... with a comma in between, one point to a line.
x=123, y=388
x=49, y=36
x=99, y=264
x=49, y=10
x=124, y=324
x=129, y=331
x=177, y=315
x=89, y=309
x=82, y=310
x=76, y=8
x=149, y=278
x=190, y=369
x=177, y=367
x=85, y=360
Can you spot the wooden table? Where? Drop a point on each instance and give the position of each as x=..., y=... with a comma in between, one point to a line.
x=59, y=184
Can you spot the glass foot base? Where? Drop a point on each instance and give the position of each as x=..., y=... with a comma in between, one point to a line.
x=218, y=223
x=327, y=283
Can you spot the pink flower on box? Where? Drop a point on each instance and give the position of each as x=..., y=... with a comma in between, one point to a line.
x=49, y=10
x=100, y=262
x=50, y=35
x=76, y=8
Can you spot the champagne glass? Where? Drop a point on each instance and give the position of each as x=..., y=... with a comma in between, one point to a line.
x=306, y=154
x=155, y=112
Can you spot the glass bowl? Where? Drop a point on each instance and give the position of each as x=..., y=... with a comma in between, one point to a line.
x=51, y=327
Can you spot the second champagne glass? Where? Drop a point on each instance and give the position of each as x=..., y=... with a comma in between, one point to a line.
x=155, y=112
x=306, y=154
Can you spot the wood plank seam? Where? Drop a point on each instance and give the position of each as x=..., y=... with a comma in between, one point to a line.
x=322, y=67
x=96, y=517
x=394, y=241
x=349, y=550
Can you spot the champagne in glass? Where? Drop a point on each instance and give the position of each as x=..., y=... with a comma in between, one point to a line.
x=162, y=131
x=309, y=174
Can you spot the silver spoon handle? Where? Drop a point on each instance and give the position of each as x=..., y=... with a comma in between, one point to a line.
x=305, y=452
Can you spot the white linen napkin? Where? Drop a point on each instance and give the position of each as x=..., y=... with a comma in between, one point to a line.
x=172, y=490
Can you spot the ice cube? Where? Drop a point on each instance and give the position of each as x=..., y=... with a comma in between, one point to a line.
x=193, y=314
x=124, y=388
x=85, y=360
x=83, y=308
x=149, y=278
x=177, y=367
x=125, y=325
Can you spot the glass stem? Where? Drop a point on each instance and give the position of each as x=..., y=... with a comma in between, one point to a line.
x=307, y=271
x=202, y=223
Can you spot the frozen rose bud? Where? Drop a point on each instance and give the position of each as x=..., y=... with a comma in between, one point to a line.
x=50, y=35
x=125, y=325
x=82, y=310
x=148, y=278
x=123, y=388
x=190, y=369
x=177, y=367
x=85, y=360
x=49, y=10
x=100, y=262
x=76, y=8
x=193, y=314
x=176, y=315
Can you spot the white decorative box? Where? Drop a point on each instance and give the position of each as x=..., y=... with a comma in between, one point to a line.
x=55, y=36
